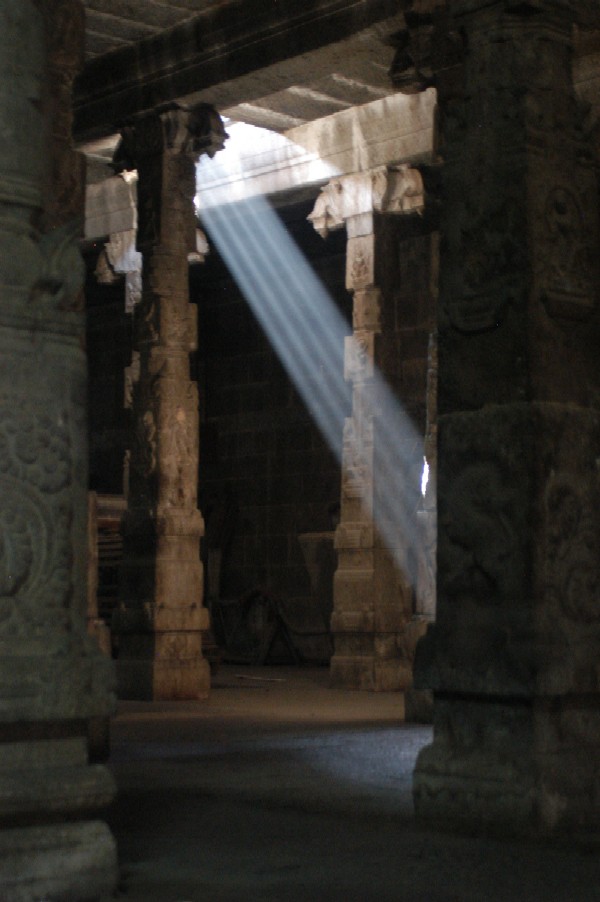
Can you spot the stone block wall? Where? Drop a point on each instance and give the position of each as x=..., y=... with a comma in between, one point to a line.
x=266, y=474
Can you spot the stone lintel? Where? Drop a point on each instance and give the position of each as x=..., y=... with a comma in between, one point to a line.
x=110, y=207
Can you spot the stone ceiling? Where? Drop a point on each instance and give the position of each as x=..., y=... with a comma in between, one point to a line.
x=272, y=63
x=278, y=64
x=112, y=24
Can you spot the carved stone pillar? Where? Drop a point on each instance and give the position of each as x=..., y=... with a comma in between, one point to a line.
x=513, y=657
x=372, y=623
x=162, y=616
x=427, y=514
x=53, y=678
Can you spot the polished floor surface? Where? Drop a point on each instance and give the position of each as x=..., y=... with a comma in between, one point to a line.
x=279, y=788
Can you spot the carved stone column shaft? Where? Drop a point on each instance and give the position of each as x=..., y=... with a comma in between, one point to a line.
x=513, y=657
x=372, y=624
x=53, y=677
x=163, y=616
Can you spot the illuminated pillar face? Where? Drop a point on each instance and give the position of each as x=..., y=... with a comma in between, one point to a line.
x=161, y=620
x=379, y=543
x=513, y=657
x=381, y=450
x=52, y=680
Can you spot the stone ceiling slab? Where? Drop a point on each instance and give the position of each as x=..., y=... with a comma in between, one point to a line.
x=232, y=52
x=112, y=23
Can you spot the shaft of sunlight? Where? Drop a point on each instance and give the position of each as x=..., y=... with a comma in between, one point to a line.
x=309, y=335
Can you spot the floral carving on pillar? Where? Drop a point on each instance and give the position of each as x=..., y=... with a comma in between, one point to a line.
x=53, y=677
x=513, y=655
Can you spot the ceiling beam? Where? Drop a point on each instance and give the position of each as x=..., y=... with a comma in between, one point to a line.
x=228, y=44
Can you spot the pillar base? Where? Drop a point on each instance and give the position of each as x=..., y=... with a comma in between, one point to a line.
x=369, y=672
x=502, y=767
x=477, y=774
x=160, y=680
x=58, y=861
x=369, y=658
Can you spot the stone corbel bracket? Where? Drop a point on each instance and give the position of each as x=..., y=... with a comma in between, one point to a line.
x=192, y=130
x=394, y=189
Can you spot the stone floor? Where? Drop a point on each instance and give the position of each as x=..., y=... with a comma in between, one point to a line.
x=279, y=788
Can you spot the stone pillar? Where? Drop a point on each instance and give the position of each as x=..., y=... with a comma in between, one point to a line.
x=513, y=657
x=372, y=623
x=53, y=677
x=427, y=514
x=162, y=616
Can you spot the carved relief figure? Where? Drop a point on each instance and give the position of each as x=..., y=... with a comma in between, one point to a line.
x=566, y=269
x=572, y=559
x=477, y=540
x=35, y=555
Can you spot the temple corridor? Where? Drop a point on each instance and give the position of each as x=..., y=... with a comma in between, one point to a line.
x=281, y=788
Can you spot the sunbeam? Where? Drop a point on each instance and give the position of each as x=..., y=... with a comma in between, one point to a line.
x=309, y=335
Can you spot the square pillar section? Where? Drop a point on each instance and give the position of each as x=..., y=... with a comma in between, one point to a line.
x=161, y=618
x=53, y=678
x=373, y=622
x=513, y=657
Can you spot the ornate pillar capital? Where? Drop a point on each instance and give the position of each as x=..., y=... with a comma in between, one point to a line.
x=175, y=129
x=162, y=616
x=163, y=146
x=394, y=189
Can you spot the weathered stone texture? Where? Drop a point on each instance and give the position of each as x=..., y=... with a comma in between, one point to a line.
x=161, y=622
x=513, y=655
x=387, y=269
x=238, y=51
x=53, y=677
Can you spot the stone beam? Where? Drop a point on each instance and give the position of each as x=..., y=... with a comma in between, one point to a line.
x=242, y=49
